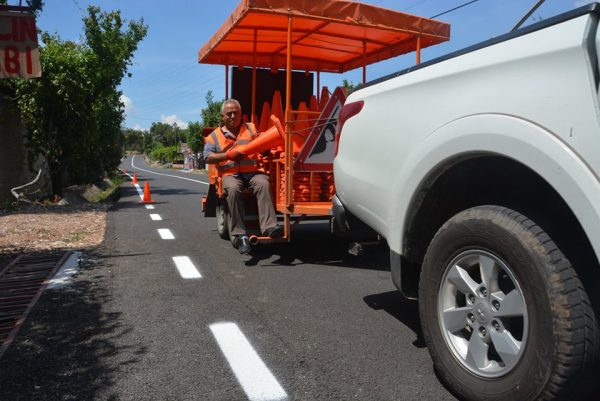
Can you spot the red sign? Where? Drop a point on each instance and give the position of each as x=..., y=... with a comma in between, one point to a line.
x=318, y=151
x=19, y=56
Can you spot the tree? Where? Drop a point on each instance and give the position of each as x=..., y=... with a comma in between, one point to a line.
x=133, y=139
x=211, y=114
x=349, y=86
x=194, y=139
x=73, y=112
x=162, y=133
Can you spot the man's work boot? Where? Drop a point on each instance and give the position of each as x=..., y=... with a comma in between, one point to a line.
x=274, y=232
x=235, y=241
x=244, y=245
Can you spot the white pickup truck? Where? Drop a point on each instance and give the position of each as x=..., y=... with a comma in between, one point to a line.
x=481, y=169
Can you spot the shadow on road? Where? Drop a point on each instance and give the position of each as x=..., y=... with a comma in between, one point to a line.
x=313, y=244
x=67, y=346
x=404, y=310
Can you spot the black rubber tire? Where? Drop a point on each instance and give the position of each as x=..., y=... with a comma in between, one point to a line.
x=562, y=347
x=222, y=219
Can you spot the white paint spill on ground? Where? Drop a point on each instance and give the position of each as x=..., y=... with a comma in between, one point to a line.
x=256, y=379
x=64, y=275
x=186, y=268
x=165, y=233
x=155, y=217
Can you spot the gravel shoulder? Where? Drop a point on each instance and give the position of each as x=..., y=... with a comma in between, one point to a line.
x=38, y=228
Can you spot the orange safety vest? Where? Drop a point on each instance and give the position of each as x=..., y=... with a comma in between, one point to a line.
x=248, y=164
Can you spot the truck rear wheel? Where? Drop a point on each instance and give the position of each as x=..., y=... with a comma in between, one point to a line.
x=503, y=312
x=222, y=219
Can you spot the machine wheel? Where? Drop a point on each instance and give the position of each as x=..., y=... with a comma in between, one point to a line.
x=504, y=314
x=222, y=219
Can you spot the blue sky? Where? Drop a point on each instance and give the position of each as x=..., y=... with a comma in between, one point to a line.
x=169, y=85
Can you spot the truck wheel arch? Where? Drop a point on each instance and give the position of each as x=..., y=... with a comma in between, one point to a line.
x=495, y=135
x=477, y=145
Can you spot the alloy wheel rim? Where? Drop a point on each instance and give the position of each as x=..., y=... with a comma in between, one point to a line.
x=482, y=313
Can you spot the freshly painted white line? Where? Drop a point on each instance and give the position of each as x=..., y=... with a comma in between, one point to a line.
x=63, y=277
x=186, y=267
x=139, y=190
x=166, y=175
x=150, y=207
x=165, y=233
x=253, y=375
x=155, y=217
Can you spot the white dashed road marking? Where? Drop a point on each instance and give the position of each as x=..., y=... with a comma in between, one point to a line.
x=186, y=268
x=253, y=375
x=165, y=233
x=155, y=217
x=149, y=207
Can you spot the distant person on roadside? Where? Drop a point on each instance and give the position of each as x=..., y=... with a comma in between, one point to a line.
x=241, y=174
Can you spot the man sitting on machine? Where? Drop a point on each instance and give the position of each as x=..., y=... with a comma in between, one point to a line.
x=239, y=174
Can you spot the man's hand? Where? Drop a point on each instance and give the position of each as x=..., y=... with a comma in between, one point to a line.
x=234, y=155
x=214, y=158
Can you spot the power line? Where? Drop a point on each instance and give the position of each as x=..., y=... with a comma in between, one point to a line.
x=455, y=8
x=414, y=5
x=76, y=3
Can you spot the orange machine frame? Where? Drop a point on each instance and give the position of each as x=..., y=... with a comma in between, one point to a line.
x=322, y=36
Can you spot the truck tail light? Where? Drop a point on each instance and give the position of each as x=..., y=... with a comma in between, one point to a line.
x=348, y=110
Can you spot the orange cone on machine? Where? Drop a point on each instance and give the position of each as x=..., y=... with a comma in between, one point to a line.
x=263, y=125
x=269, y=139
x=135, y=181
x=324, y=98
x=147, y=197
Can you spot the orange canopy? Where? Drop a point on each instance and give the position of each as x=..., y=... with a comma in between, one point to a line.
x=327, y=35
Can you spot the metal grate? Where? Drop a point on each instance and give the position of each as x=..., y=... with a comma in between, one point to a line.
x=21, y=285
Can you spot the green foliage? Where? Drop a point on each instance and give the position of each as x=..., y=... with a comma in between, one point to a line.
x=349, y=86
x=162, y=134
x=133, y=139
x=109, y=193
x=194, y=137
x=165, y=154
x=73, y=112
x=211, y=114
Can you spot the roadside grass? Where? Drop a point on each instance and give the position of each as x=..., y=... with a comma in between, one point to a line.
x=109, y=193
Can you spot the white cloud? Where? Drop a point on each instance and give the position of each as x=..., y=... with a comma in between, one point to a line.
x=128, y=103
x=138, y=127
x=173, y=119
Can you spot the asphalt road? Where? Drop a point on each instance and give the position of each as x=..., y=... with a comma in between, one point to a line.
x=297, y=321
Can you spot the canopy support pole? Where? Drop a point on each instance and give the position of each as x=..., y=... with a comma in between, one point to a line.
x=254, y=78
x=226, y=81
x=418, y=50
x=289, y=173
x=318, y=86
x=364, y=81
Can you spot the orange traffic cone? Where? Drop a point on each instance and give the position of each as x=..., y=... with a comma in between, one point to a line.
x=263, y=125
x=324, y=98
x=269, y=139
x=147, y=198
x=135, y=181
